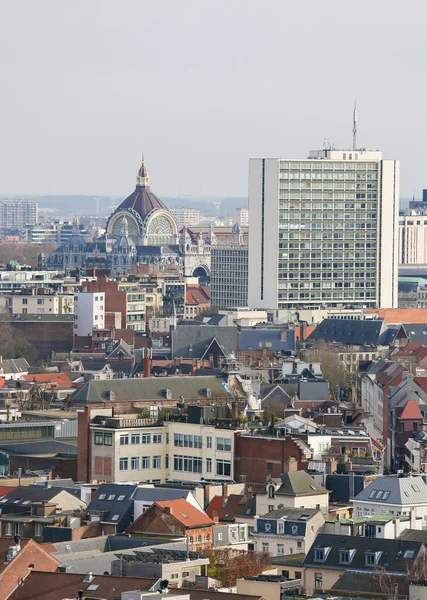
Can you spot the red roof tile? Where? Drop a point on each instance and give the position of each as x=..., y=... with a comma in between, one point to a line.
x=411, y=410
x=214, y=506
x=422, y=382
x=186, y=513
x=60, y=379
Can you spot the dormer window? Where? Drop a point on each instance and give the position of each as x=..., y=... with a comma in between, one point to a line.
x=319, y=554
x=371, y=558
x=271, y=491
x=346, y=556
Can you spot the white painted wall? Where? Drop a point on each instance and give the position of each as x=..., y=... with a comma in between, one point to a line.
x=89, y=312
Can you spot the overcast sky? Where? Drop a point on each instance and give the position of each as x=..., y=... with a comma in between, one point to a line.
x=200, y=87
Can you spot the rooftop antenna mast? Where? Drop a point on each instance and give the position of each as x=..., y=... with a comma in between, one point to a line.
x=355, y=125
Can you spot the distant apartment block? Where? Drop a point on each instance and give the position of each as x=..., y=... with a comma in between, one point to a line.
x=413, y=239
x=16, y=214
x=229, y=276
x=89, y=312
x=241, y=217
x=323, y=230
x=41, y=304
x=186, y=217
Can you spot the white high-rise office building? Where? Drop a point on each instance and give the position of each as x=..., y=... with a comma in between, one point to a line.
x=323, y=230
x=89, y=312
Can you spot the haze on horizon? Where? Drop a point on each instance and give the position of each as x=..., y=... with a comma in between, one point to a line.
x=200, y=88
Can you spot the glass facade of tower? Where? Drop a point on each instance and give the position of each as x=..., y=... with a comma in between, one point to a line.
x=328, y=228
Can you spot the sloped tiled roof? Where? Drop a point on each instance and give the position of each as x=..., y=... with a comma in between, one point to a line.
x=391, y=552
x=402, y=491
x=299, y=483
x=186, y=513
x=60, y=379
x=411, y=410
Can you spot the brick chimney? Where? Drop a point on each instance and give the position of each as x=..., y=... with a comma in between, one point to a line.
x=84, y=449
x=146, y=362
x=167, y=510
x=290, y=465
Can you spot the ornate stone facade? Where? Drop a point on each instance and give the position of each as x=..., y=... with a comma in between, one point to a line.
x=140, y=230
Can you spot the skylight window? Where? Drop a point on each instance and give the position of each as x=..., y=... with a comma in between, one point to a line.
x=112, y=497
x=313, y=487
x=406, y=494
x=3, y=500
x=121, y=498
x=379, y=495
x=415, y=488
x=386, y=495
x=17, y=501
x=184, y=515
x=409, y=554
x=372, y=494
x=92, y=587
x=116, y=518
x=102, y=496
x=26, y=501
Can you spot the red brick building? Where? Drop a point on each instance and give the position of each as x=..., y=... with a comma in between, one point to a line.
x=176, y=518
x=15, y=567
x=258, y=458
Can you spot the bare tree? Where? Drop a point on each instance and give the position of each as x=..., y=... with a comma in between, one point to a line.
x=388, y=582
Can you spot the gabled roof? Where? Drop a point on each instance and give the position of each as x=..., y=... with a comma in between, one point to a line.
x=113, y=500
x=227, y=509
x=291, y=514
x=401, y=491
x=60, y=379
x=159, y=494
x=411, y=410
x=298, y=483
x=33, y=493
x=391, y=553
x=186, y=513
x=98, y=391
x=214, y=347
x=120, y=350
x=353, y=332
x=56, y=586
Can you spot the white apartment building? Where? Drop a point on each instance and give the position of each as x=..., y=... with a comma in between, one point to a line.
x=241, y=216
x=413, y=239
x=89, y=312
x=15, y=214
x=323, y=230
x=41, y=304
x=186, y=217
x=229, y=276
x=130, y=450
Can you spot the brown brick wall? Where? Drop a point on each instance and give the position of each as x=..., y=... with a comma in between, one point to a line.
x=31, y=554
x=83, y=446
x=253, y=453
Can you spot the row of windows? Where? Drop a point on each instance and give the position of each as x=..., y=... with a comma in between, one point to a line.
x=136, y=463
x=140, y=438
x=187, y=441
x=194, y=464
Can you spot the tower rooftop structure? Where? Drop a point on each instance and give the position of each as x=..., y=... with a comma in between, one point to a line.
x=142, y=200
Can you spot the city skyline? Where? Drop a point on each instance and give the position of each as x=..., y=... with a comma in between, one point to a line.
x=82, y=113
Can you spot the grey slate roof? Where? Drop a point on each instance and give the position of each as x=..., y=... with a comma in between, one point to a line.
x=14, y=365
x=351, y=332
x=402, y=490
x=414, y=535
x=392, y=552
x=417, y=332
x=110, y=508
x=94, y=391
x=46, y=447
x=32, y=493
x=313, y=390
x=159, y=494
x=251, y=337
x=291, y=513
x=299, y=483
x=191, y=341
